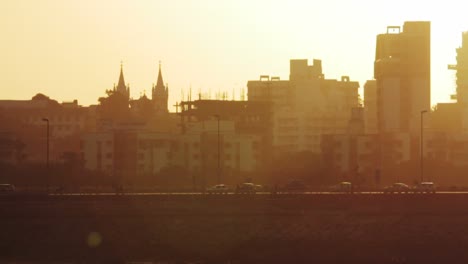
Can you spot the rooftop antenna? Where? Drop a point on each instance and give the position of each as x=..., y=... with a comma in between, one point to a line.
x=190, y=94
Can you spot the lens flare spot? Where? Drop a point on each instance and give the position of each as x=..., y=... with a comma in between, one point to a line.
x=94, y=239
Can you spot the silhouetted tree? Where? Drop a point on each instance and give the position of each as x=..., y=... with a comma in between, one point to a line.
x=115, y=106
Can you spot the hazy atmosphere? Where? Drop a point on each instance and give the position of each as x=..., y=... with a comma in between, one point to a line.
x=73, y=49
x=233, y=131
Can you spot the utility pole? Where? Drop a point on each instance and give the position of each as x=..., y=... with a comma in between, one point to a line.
x=422, y=146
x=219, y=148
x=47, y=163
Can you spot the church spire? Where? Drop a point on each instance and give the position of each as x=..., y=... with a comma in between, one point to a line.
x=121, y=84
x=121, y=87
x=160, y=83
x=160, y=94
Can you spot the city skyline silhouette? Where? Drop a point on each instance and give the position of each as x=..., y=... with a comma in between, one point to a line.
x=68, y=47
x=233, y=131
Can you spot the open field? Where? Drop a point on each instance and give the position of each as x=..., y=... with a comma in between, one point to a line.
x=240, y=229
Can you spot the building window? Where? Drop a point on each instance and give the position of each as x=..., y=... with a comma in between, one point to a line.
x=109, y=155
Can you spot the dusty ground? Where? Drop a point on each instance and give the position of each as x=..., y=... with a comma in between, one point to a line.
x=325, y=229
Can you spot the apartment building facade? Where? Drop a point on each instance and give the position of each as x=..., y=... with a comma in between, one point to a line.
x=306, y=106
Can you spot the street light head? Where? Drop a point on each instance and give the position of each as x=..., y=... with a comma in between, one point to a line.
x=45, y=119
x=423, y=111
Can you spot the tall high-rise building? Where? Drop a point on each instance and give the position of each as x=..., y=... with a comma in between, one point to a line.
x=462, y=71
x=306, y=106
x=402, y=70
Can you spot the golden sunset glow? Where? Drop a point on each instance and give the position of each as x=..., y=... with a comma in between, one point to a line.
x=72, y=49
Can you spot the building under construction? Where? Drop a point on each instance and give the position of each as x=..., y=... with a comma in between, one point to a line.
x=462, y=71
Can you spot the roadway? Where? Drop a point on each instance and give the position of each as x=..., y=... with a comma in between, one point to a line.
x=277, y=195
x=256, y=193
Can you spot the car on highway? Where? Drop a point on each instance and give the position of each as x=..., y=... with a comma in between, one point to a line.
x=424, y=187
x=246, y=188
x=342, y=187
x=218, y=189
x=397, y=187
x=6, y=188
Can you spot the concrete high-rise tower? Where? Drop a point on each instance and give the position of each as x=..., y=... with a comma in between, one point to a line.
x=462, y=71
x=402, y=70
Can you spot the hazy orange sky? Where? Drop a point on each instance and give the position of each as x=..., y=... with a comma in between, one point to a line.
x=72, y=49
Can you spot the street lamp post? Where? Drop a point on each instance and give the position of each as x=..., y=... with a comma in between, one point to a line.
x=219, y=167
x=47, y=163
x=422, y=146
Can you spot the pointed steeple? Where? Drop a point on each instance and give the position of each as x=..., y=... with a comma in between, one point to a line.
x=121, y=84
x=160, y=94
x=160, y=83
x=121, y=87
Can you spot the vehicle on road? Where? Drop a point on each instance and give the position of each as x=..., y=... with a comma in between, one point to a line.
x=424, y=187
x=218, y=189
x=397, y=188
x=342, y=187
x=7, y=188
x=246, y=188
